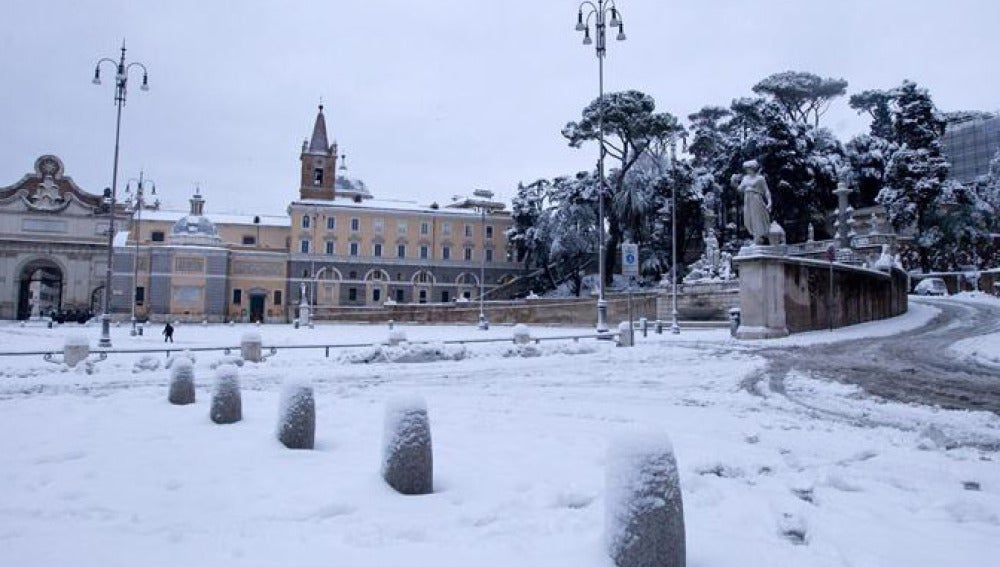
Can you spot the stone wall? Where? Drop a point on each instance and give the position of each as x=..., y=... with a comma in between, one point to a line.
x=563, y=311
x=700, y=301
x=781, y=295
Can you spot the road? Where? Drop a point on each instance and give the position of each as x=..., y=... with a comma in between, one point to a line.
x=915, y=366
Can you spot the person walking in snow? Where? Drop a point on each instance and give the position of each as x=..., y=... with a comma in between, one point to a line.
x=168, y=333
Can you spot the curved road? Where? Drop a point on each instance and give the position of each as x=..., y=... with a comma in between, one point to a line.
x=914, y=366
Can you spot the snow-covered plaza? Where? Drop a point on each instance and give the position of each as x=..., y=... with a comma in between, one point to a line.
x=99, y=469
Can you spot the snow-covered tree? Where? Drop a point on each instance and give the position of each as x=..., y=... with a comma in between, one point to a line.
x=915, y=174
x=631, y=127
x=803, y=97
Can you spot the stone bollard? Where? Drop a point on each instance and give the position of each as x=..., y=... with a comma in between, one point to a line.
x=522, y=335
x=396, y=336
x=227, y=405
x=75, y=350
x=407, y=458
x=734, y=320
x=626, y=334
x=297, y=416
x=181, y=383
x=644, y=514
x=250, y=347
x=391, y=324
x=644, y=325
x=658, y=327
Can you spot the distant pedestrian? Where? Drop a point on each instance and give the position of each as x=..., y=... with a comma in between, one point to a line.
x=168, y=333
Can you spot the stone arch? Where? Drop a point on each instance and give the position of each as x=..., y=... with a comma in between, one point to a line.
x=327, y=281
x=466, y=285
x=376, y=286
x=423, y=282
x=40, y=287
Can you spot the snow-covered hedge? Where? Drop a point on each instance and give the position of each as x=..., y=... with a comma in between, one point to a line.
x=227, y=405
x=406, y=353
x=181, y=383
x=407, y=457
x=297, y=416
x=644, y=523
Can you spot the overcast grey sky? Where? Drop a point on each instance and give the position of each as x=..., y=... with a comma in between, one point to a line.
x=429, y=99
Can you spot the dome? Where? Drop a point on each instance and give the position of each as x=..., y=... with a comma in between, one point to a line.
x=195, y=228
x=347, y=187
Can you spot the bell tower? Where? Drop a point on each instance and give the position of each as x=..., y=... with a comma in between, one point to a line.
x=319, y=163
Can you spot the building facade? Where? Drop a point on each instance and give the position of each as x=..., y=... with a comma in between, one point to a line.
x=53, y=245
x=971, y=147
x=336, y=243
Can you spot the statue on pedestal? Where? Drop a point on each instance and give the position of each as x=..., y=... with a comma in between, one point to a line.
x=756, y=202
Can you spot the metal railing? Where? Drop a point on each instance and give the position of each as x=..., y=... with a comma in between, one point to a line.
x=274, y=349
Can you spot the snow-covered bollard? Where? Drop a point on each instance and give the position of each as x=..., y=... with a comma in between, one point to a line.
x=297, y=416
x=626, y=334
x=181, y=383
x=644, y=514
x=396, y=336
x=522, y=335
x=407, y=457
x=250, y=347
x=76, y=349
x=227, y=405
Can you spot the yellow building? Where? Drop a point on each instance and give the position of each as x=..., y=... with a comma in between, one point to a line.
x=337, y=242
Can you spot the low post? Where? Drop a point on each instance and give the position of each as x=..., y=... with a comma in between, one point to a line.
x=297, y=416
x=407, y=456
x=626, y=334
x=76, y=350
x=250, y=347
x=644, y=325
x=644, y=515
x=734, y=320
x=522, y=335
x=227, y=404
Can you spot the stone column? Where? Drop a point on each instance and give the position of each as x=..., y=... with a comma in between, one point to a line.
x=762, y=297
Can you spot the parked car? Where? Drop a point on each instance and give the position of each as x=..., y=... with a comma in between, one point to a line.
x=931, y=286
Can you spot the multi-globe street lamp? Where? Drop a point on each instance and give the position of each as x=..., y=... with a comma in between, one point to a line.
x=603, y=13
x=121, y=88
x=140, y=202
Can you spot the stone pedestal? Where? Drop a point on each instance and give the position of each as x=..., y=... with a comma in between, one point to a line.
x=762, y=296
x=250, y=347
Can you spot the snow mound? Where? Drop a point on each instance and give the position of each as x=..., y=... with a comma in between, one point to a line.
x=147, y=363
x=250, y=337
x=77, y=341
x=407, y=353
x=230, y=360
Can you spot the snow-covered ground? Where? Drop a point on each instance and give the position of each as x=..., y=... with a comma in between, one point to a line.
x=99, y=469
x=985, y=348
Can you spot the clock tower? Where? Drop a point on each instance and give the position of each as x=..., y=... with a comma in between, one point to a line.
x=319, y=163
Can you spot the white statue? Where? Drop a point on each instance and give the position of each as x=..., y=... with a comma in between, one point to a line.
x=756, y=202
x=304, y=299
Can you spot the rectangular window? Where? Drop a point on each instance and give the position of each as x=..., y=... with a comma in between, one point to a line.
x=140, y=295
x=446, y=252
x=376, y=295
x=378, y=224
x=329, y=248
x=489, y=254
x=446, y=228
x=401, y=251
x=444, y=297
x=489, y=231
x=468, y=254
x=425, y=228
x=352, y=294
x=468, y=231
x=156, y=236
x=277, y=297
x=401, y=228
x=237, y=296
x=304, y=246
x=249, y=240
x=354, y=249
x=424, y=252
x=305, y=221
x=331, y=223
x=355, y=225
x=377, y=250
x=399, y=296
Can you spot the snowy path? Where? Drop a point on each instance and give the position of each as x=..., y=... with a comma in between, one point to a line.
x=915, y=366
x=100, y=470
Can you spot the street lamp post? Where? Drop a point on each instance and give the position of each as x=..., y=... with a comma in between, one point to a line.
x=121, y=84
x=599, y=10
x=484, y=205
x=140, y=190
x=674, y=327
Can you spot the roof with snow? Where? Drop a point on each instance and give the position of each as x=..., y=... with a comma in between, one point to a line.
x=389, y=204
x=319, y=144
x=217, y=218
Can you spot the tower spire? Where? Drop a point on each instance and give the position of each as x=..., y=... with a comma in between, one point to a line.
x=318, y=144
